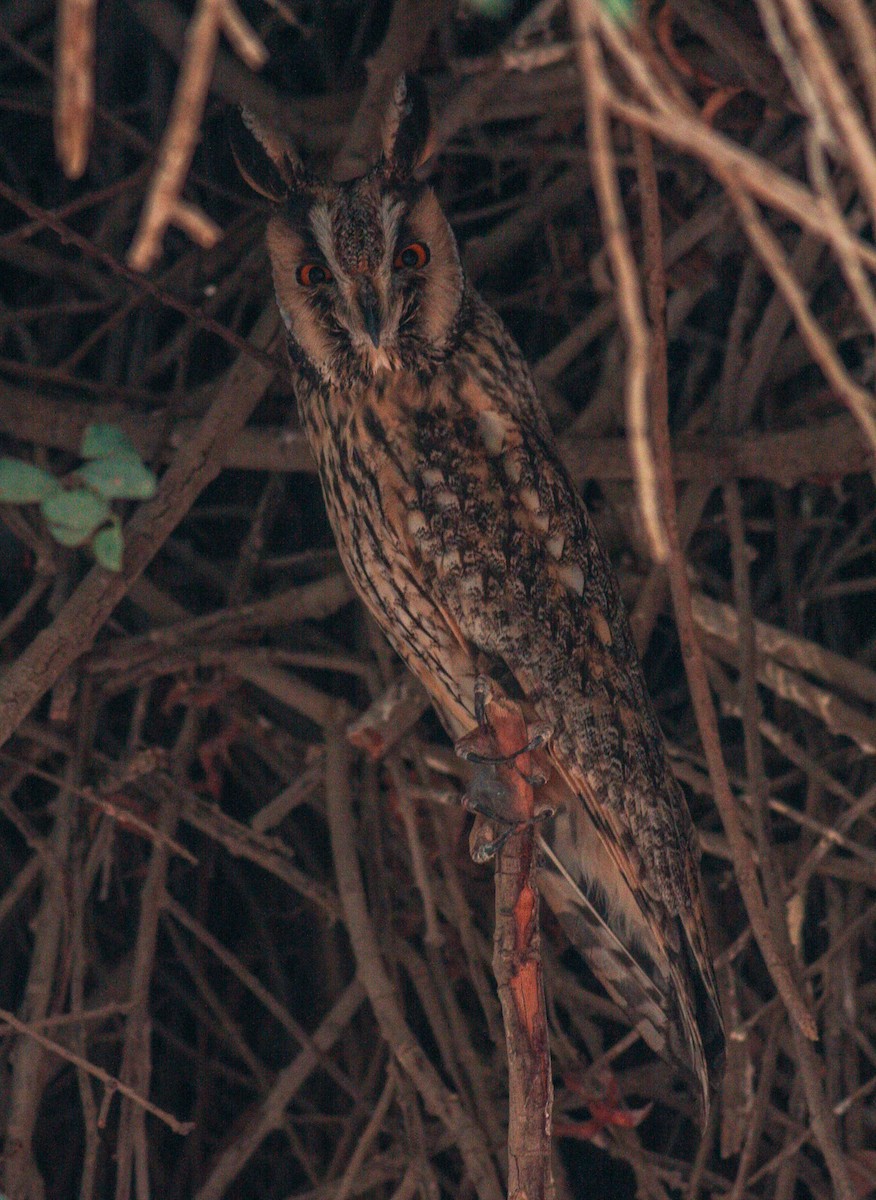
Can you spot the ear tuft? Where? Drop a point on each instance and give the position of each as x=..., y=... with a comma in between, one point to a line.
x=266, y=159
x=405, y=127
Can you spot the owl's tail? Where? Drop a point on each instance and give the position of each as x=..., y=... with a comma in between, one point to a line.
x=667, y=1002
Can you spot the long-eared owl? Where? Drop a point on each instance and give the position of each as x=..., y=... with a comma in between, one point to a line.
x=466, y=539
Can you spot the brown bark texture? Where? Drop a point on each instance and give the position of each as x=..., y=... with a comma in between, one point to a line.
x=246, y=951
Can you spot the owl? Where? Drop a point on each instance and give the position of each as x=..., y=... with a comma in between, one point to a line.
x=466, y=539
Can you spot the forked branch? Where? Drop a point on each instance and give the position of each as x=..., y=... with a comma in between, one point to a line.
x=164, y=204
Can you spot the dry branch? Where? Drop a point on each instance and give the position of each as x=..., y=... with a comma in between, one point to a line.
x=74, y=91
x=112, y=1084
x=411, y=24
x=776, y=962
x=204, y=680
x=371, y=972
x=626, y=279
x=516, y=954
x=164, y=204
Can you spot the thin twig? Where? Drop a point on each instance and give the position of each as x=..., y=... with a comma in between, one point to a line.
x=109, y=1081
x=831, y=85
x=440, y=1102
x=690, y=647
x=368, y=1135
x=74, y=90
x=164, y=205
x=251, y=347
x=626, y=280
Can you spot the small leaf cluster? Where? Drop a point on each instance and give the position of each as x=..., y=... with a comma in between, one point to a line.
x=620, y=11
x=77, y=510
x=493, y=9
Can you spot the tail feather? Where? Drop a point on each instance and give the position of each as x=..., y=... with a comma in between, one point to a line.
x=621, y=975
x=655, y=996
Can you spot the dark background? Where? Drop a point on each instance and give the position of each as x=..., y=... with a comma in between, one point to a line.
x=163, y=916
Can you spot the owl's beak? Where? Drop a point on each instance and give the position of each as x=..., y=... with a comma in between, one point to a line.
x=370, y=306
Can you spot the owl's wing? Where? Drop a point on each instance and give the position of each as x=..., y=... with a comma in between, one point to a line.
x=506, y=549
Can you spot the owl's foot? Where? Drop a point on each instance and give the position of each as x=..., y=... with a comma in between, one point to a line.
x=492, y=799
x=494, y=794
x=480, y=746
x=487, y=796
x=487, y=838
x=475, y=748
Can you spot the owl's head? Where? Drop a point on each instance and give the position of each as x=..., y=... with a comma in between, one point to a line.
x=367, y=272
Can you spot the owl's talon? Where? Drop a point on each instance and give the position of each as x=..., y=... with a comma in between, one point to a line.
x=467, y=748
x=489, y=795
x=482, y=841
x=490, y=792
x=540, y=734
x=480, y=809
x=483, y=850
x=485, y=842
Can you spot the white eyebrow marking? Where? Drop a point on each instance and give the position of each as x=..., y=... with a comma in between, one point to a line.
x=391, y=214
x=321, y=224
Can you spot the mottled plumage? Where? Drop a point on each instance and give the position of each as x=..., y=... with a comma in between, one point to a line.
x=465, y=537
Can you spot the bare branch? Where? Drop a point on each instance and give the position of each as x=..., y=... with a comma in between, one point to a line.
x=74, y=92
x=164, y=205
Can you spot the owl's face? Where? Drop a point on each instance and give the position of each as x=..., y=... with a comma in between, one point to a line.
x=367, y=275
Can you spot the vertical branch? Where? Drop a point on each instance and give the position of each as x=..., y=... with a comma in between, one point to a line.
x=695, y=667
x=28, y=1058
x=74, y=89
x=136, y=1058
x=381, y=993
x=629, y=299
x=164, y=204
x=809, y=1064
x=410, y=27
x=517, y=959
x=78, y=969
x=830, y=81
x=751, y=713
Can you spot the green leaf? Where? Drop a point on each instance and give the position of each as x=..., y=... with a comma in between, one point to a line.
x=72, y=517
x=21, y=483
x=99, y=441
x=119, y=477
x=67, y=535
x=493, y=9
x=108, y=546
x=621, y=11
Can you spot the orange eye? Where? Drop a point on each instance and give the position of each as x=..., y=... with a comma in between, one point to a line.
x=310, y=274
x=413, y=257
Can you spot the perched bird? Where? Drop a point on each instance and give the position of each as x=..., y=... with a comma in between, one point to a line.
x=468, y=542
